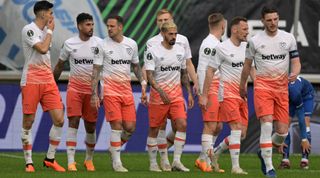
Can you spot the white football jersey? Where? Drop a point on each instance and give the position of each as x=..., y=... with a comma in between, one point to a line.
x=167, y=65
x=229, y=59
x=116, y=59
x=37, y=66
x=81, y=55
x=206, y=53
x=271, y=56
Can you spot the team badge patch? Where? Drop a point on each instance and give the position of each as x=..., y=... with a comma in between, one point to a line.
x=282, y=45
x=248, y=45
x=129, y=51
x=179, y=57
x=213, y=52
x=149, y=56
x=95, y=50
x=207, y=51
x=30, y=33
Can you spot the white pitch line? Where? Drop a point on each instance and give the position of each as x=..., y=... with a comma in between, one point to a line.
x=11, y=156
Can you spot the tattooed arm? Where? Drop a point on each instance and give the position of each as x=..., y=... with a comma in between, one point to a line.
x=95, y=102
x=154, y=85
x=185, y=82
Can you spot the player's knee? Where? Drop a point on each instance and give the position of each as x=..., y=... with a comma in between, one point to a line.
x=59, y=123
x=278, y=139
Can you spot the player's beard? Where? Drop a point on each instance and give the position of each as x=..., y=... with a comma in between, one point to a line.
x=172, y=42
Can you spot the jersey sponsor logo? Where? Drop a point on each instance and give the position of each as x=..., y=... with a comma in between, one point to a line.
x=30, y=33
x=120, y=61
x=273, y=57
x=83, y=61
x=239, y=64
x=169, y=68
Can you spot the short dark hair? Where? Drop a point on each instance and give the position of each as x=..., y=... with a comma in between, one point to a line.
x=83, y=17
x=235, y=21
x=116, y=17
x=214, y=19
x=267, y=10
x=42, y=5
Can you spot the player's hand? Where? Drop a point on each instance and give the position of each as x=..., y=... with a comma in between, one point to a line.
x=281, y=148
x=190, y=101
x=292, y=77
x=144, y=97
x=196, y=89
x=305, y=145
x=95, y=102
x=203, y=101
x=50, y=24
x=164, y=97
x=243, y=92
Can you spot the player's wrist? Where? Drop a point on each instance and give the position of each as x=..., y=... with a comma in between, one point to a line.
x=49, y=31
x=304, y=140
x=143, y=82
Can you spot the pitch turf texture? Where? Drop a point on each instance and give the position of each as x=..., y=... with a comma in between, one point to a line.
x=12, y=165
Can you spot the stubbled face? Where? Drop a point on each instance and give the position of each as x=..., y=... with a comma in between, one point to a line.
x=46, y=15
x=270, y=22
x=86, y=28
x=242, y=31
x=163, y=18
x=114, y=28
x=170, y=36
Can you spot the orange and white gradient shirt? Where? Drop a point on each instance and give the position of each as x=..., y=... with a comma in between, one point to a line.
x=116, y=59
x=271, y=56
x=206, y=53
x=166, y=65
x=229, y=59
x=81, y=55
x=37, y=66
x=180, y=40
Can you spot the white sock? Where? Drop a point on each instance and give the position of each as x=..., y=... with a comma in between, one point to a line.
x=26, y=138
x=179, y=142
x=55, y=137
x=206, y=143
x=152, y=150
x=222, y=146
x=90, y=144
x=234, y=147
x=170, y=139
x=162, y=146
x=115, y=146
x=125, y=136
x=308, y=129
x=266, y=144
x=71, y=144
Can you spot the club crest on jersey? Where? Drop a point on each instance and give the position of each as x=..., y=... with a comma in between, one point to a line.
x=179, y=57
x=95, y=50
x=30, y=33
x=231, y=55
x=161, y=58
x=129, y=51
x=282, y=45
x=149, y=56
x=263, y=46
x=74, y=50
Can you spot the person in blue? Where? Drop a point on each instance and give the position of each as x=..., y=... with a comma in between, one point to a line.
x=301, y=95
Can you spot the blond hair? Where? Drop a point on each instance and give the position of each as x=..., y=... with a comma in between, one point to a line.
x=165, y=26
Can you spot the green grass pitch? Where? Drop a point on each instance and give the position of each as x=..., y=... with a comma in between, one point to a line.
x=12, y=165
